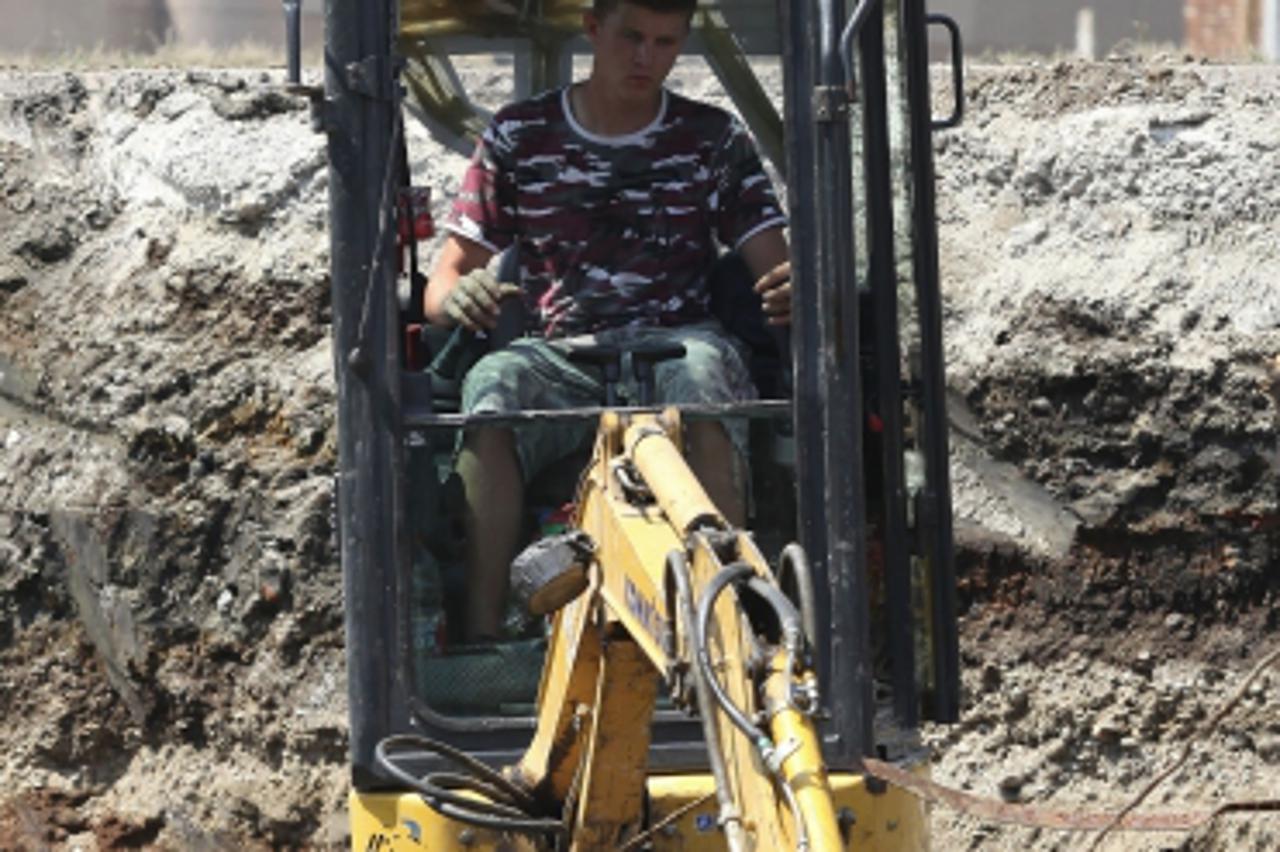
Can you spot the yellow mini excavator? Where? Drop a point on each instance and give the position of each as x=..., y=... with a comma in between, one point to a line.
x=663, y=679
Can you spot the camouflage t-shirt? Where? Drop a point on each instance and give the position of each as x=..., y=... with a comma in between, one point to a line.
x=614, y=231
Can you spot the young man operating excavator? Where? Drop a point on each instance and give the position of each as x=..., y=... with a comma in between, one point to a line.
x=618, y=196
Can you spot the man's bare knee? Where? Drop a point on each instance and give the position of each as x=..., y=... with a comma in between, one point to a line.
x=490, y=472
x=489, y=442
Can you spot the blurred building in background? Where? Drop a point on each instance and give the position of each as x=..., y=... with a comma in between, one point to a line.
x=1227, y=28
x=1219, y=29
x=58, y=26
x=55, y=26
x=1090, y=29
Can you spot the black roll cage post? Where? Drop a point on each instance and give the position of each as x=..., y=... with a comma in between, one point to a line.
x=358, y=124
x=360, y=115
x=825, y=360
x=826, y=347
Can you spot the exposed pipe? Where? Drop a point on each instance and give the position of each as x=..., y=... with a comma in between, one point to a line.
x=851, y=30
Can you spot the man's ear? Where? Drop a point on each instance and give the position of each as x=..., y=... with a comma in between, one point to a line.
x=590, y=25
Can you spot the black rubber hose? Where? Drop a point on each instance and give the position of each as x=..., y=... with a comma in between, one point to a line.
x=721, y=581
x=784, y=609
x=512, y=815
x=477, y=768
x=758, y=739
x=460, y=781
x=679, y=568
x=438, y=796
x=793, y=562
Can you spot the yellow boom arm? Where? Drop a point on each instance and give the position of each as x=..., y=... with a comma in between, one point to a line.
x=670, y=590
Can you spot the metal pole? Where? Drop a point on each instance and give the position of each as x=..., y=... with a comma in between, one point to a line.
x=293, y=40
x=879, y=219
x=358, y=121
x=935, y=503
x=828, y=405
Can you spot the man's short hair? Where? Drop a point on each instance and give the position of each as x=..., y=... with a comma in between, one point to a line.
x=604, y=7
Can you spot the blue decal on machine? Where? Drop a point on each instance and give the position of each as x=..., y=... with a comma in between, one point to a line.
x=643, y=609
x=704, y=823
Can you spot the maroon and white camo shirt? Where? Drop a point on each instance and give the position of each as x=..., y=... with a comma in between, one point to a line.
x=614, y=231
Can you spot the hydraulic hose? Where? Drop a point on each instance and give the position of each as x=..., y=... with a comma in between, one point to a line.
x=793, y=638
x=794, y=563
x=511, y=809
x=721, y=581
x=787, y=615
x=730, y=817
x=788, y=619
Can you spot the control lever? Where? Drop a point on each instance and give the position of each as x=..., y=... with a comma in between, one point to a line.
x=293, y=64
x=609, y=360
x=643, y=361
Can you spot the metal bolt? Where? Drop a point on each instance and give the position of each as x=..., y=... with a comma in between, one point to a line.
x=846, y=819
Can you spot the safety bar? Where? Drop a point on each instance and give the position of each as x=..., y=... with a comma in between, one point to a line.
x=957, y=71
x=851, y=30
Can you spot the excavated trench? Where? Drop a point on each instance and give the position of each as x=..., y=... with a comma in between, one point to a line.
x=171, y=667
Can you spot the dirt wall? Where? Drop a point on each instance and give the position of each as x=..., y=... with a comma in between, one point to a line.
x=171, y=668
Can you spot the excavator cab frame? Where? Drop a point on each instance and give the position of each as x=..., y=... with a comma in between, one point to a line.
x=867, y=404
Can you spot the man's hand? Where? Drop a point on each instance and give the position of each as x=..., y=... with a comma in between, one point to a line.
x=473, y=302
x=774, y=288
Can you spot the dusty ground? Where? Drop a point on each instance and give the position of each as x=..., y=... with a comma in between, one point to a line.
x=1110, y=245
x=170, y=623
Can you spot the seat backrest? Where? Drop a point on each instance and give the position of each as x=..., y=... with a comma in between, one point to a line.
x=737, y=306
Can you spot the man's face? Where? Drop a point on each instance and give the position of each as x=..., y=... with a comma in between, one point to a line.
x=635, y=48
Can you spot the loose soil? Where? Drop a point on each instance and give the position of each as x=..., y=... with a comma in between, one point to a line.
x=170, y=617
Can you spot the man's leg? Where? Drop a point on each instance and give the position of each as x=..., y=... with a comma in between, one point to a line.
x=527, y=374
x=712, y=371
x=493, y=516
x=715, y=462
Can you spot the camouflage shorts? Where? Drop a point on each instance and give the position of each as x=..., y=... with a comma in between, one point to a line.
x=535, y=373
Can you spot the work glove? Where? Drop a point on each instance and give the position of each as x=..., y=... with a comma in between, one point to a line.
x=473, y=303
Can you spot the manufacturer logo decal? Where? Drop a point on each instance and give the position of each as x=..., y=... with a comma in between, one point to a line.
x=644, y=610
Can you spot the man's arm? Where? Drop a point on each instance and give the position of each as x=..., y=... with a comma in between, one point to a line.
x=461, y=291
x=768, y=259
